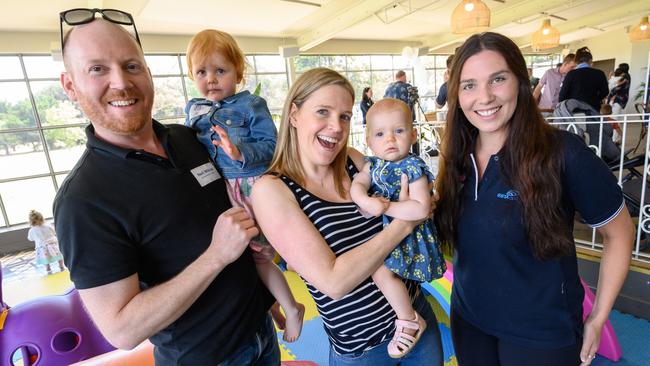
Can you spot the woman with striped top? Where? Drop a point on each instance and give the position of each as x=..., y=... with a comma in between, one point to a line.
x=305, y=210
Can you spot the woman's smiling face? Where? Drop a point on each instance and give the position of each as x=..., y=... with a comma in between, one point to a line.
x=323, y=124
x=487, y=93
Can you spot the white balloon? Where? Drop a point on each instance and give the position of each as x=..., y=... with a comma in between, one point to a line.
x=420, y=75
x=419, y=71
x=408, y=53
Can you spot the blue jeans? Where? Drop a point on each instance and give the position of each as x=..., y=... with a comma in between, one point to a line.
x=427, y=352
x=261, y=350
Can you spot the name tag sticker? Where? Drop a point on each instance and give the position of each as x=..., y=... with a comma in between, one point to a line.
x=205, y=174
x=198, y=110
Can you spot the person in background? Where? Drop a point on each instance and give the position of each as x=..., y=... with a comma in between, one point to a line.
x=589, y=85
x=441, y=99
x=551, y=82
x=625, y=67
x=585, y=83
x=366, y=102
x=533, y=79
x=144, y=221
x=238, y=132
x=46, y=244
x=400, y=89
x=507, y=179
x=619, y=91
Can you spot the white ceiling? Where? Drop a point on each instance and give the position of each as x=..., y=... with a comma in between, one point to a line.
x=308, y=23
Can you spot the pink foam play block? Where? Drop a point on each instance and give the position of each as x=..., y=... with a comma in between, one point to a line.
x=609, y=346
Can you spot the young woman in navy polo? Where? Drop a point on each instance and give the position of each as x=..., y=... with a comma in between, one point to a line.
x=509, y=187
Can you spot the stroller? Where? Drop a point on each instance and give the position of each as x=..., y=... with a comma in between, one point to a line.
x=632, y=166
x=609, y=152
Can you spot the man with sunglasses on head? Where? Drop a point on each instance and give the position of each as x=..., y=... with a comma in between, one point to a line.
x=136, y=217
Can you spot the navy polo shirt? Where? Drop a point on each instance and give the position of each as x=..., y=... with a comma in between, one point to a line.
x=499, y=285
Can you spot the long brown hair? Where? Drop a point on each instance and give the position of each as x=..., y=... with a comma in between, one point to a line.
x=530, y=158
x=286, y=159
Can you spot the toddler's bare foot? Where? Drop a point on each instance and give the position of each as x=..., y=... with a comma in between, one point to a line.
x=294, y=323
x=278, y=318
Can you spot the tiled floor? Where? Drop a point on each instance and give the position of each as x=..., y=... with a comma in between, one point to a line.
x=21, y=266
x=23, y=280
x=16, y=267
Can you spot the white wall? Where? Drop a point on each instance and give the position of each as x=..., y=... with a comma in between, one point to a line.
x=616, y=44
x=40, y=42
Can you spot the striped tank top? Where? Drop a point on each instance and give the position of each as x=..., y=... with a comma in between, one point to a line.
x=363, y=318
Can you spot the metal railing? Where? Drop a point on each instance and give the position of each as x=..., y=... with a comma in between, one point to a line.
x=629, y=161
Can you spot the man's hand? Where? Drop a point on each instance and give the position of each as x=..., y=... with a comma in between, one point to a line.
x=231, y=234
x=225, y=144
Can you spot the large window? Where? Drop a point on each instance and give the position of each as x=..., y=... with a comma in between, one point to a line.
x=269, y=74
x=41, y=135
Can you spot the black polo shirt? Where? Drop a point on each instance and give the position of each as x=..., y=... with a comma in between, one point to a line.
x=499, y=286
x=123, y=211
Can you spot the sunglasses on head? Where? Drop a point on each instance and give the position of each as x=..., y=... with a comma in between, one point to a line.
x=80, y=16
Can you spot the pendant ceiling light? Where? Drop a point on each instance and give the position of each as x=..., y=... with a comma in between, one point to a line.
x=470, y=16
x=546, y=37
x=641, y=32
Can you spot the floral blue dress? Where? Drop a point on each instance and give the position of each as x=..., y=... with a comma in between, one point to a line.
x=418, y=257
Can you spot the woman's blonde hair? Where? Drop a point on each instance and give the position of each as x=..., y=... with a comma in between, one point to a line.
x=209, y=41
x=286, y=160
x=35, y=218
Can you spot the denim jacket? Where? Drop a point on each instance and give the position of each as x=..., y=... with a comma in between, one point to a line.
x=247, y=120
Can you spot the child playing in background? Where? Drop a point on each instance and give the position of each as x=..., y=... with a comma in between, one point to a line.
x=390, y=134
x=45, y=241
x=238, y=132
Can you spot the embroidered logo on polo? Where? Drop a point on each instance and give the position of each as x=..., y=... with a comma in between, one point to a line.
x=511, y=195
